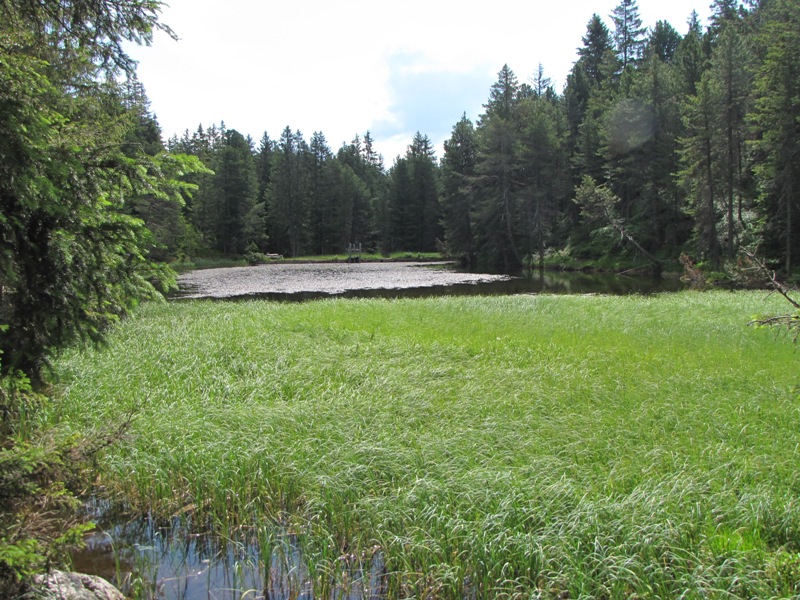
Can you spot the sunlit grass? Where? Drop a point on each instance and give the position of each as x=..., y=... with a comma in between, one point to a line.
x=600, y=446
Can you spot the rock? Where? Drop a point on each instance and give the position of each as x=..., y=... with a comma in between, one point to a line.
x=60, y=585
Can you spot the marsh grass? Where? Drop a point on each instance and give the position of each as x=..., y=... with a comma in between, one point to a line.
x=515, y=446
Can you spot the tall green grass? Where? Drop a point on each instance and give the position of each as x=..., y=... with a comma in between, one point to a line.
x=489, y=447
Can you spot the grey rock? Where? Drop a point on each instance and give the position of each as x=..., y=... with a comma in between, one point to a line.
x=60, y=585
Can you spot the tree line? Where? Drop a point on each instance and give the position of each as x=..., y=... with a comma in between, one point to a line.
x=660, y=143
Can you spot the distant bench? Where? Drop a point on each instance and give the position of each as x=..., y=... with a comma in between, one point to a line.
x=353, y=253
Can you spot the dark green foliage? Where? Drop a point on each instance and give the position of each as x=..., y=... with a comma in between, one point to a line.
x=413, y=205
x=497, y=225
x=358, y=182
x=234, y=189
x=663, y=42
x=458, y=171
x=776, y=121
x=595, y=51
x=690, y=56
x=401, y=220
x=629, y=41
x=502, y=96
x=41, y=476
x=80, y=161
x=543, y=173
x=72, y=259
x=288, y=195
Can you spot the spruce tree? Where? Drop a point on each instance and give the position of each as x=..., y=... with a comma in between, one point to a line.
x=234, y=190
x=775, y=121
x=287, y=206
x=629, y=35
x=594, y=53
x=72, y=260
x=458, y=170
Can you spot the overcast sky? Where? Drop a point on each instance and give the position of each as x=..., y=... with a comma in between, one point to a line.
x=344, y=67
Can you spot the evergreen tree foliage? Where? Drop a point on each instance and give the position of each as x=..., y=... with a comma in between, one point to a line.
x=163, y=218
x=692, y=135
x=776, y=120
x=543, y=175
x=320, y=206
x=730, y=69
x=458, y=170
x=234, y=190
x=264, y=153
x=594, y=53
x=502, y=95
x=690, y=56
x=663, y=42
x=413, y=205
x=367, y=211
x=498, y=232
x=402, y=223
x=72, y=258
x=629, y=34
x=288, y=195
x=699, y=159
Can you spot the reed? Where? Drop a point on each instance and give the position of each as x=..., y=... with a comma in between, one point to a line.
x=476, y=447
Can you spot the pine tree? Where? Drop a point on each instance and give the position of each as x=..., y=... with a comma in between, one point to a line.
x=586, y=97
x=367, y=165
x=690, y=56
x=497, y=222
x=502, y=95
x=663, y=42
x=71, y=259
x=287, y=206
x=402, y=223
x=264, y=155
x=660, y=202
x=594, y=53
x=370, y=155
x=458, y=169
x=775, y=118
x=234, y=189
x=542, y=86
x=629, y=35
x=700, y=166
x=425, y=193
x=542, y=173
x=729, y=67
x=319, y=191
x=414, y=211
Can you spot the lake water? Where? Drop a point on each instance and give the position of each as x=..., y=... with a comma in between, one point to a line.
x=173, y=559
x=308, y=281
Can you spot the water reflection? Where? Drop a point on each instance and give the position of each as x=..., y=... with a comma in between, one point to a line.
x=170, y=560
x=529, y=282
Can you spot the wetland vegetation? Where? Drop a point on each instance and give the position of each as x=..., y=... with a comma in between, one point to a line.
x=459, y=447
x=515, y=446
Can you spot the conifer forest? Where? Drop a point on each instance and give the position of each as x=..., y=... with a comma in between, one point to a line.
x=525, y=446
x=661, y=142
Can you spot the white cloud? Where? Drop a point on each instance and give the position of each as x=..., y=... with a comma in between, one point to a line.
x=354, y=65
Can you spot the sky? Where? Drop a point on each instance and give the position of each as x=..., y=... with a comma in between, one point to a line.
x=345, y=67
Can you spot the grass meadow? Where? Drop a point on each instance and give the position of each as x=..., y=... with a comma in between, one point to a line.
x=482, y=447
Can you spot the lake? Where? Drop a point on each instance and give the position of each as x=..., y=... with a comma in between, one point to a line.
x=309, y=281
